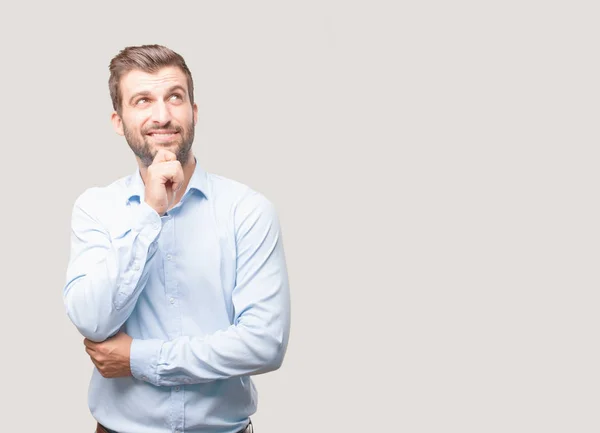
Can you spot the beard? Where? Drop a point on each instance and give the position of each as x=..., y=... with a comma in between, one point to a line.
x=145, y=151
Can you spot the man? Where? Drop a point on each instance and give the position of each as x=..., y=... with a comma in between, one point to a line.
x=177, y=277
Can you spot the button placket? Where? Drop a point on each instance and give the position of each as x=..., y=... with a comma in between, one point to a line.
x=169, y=257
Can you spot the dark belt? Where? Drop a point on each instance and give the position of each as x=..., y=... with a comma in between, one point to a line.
x=101, y=429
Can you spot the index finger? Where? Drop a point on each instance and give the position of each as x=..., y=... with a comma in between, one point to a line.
x=164, y=155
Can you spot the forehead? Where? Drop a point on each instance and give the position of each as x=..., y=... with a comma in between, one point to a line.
x=165, y=78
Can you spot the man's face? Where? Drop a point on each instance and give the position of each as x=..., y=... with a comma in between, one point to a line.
x=156, y=112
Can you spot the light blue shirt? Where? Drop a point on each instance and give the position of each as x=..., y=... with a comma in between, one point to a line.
x=203, y=291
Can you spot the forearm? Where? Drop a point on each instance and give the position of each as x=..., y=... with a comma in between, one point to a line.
x=237, y=351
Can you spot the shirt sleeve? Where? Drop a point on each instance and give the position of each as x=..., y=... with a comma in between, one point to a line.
x=107, y=268
x=257, y=340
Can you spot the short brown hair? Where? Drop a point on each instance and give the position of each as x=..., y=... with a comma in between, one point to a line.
x=146, y=58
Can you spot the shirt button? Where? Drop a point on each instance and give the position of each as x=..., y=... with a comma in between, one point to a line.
x=136, y=266
x=172, y=300
x=177, y=389
x=169, y=257
x=155, y=226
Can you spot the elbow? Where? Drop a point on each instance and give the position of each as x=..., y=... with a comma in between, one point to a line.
x=96, y=337
x=265, y=343
x=88, y=323
x=275, y=363
x=93, y=333
x=273, y=355
x=90, y=329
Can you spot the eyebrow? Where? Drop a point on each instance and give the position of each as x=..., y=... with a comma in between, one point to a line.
x=177, y=87
x=147, y=93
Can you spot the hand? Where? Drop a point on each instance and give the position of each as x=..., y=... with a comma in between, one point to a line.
x=164, y=178
x=111, y=357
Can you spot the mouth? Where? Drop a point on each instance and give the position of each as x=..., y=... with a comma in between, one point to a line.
x=163, y=135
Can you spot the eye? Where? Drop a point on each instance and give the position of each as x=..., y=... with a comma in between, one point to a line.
x=175, y=97
x=141, y=101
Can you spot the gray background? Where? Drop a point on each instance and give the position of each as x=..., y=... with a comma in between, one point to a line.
x=435, y=168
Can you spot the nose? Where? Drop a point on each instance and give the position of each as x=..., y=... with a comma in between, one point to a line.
x=160, y=113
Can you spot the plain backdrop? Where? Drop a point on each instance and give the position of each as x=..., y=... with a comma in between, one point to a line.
x=434, y=165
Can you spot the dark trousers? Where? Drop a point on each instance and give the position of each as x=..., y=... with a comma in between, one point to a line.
x=101, y=429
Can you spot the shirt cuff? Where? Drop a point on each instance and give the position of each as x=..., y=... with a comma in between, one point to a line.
x=143, y=359
x=148, y=222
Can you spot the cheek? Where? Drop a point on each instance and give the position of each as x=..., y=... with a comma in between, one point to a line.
x=134, y=124
x=184, y=116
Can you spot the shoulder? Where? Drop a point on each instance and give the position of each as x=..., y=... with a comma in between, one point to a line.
x=96, y=200
x=239, y=198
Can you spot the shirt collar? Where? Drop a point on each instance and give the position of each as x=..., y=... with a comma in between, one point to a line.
x=135, y=187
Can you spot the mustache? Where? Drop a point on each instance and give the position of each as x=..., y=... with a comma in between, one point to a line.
x=165, y=126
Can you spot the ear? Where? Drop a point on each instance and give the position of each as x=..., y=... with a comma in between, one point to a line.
x=195, y=109
x=117, y=123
